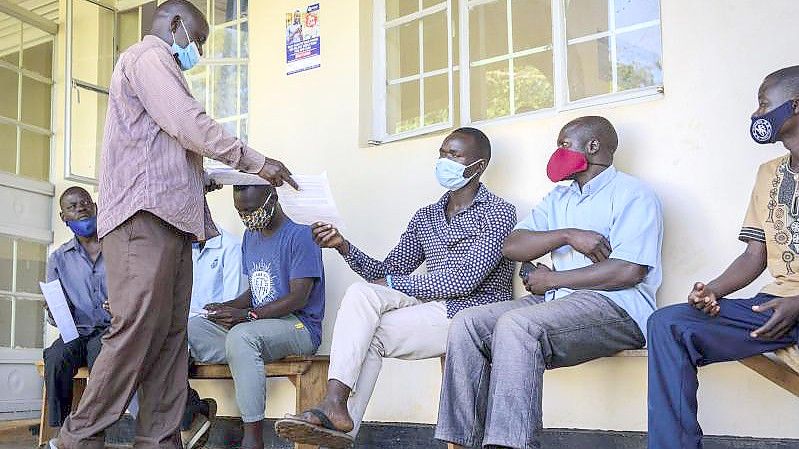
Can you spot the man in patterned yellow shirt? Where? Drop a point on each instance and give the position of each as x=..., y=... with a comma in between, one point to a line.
x=712, y=328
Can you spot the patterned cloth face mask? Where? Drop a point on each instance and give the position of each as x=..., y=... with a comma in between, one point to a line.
x=259, y=219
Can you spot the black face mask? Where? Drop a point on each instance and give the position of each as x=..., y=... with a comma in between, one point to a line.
x=766, y=128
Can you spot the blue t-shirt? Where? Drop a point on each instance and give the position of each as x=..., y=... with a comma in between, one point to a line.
x=271, y=262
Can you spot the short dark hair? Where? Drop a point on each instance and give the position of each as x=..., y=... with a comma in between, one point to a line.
x=595, y=127
x=74, y=189
x=483, y=145
x=786, y=79
x=239, y=188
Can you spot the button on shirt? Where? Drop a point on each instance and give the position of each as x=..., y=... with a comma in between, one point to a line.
x=463, y=256
x=217, y=271
x=156, y=135
x=623, y=209
x=83, y=282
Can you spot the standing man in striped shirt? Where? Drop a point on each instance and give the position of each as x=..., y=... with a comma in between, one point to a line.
x=152, y=207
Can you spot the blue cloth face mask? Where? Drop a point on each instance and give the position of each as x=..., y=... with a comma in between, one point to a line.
x=189, y=56
x=450, y=173
x=83, y=228
x=765, y=128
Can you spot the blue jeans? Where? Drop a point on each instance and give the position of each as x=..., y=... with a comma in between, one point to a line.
x=682, y=338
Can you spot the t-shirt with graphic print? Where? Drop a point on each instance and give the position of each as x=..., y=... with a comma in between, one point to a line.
x=271, y=262
x=773, y=218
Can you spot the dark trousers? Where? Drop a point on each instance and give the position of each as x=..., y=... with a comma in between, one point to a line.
x=681, y=339
x=149, y=273
x=61, y=363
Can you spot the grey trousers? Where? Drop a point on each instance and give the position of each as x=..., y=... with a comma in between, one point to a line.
x=246, y=347
x=496, y=357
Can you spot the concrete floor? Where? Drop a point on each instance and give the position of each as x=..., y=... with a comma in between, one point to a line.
x=21, y=435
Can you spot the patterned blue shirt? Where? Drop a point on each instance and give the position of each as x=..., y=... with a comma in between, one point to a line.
x=463, y=256
x=83, y=282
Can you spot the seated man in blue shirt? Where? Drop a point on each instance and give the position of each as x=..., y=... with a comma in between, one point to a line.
x=217, y=277
x=280, y=314
x=604, y=233
x=406, y=315
x=79, y=266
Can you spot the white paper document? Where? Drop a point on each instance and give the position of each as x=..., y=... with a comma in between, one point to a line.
x=313, y=202
x=59, y=308
x=227, y=176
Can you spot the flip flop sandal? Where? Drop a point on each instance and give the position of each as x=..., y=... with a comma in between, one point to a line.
x=303, y=432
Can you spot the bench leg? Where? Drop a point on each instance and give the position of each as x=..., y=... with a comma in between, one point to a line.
x=45, y=432
x=776, y=372
x=310, y=390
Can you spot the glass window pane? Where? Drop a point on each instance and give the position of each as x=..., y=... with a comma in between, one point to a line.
x=402, y=50
x=127, y=28
x=31, y=264
x=631, y=12
x=8, y=150
x=34, y=156
x=231, y=127
x=532, y=24
x=533, y=81
x=9, y=86
x=638, y=54
x=6, y=261
x=12, y=34
x=224, y=11
x=584, y=17
x=589, y=69
x=87, y=133
x=490, y=91
x=92, y=43
x=197, y=83
x=399, y=8
x=37, y=55
x=245, y=6
x=244, y=133
x=429, y=3
x=29, y=326
x=202, y=5
x=436, y=44
x=225, y=92
x=244, y=51
x=5, y=321
x=244, y=89
x=36, y=101
x=488, y=30
x=225, y=42
x=403, y=107
x=456, y=32
x=436, y=99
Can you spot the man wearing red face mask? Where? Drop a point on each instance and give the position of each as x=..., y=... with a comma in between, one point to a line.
x=604, y=233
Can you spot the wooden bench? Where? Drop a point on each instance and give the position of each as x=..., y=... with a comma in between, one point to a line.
x=308, y=374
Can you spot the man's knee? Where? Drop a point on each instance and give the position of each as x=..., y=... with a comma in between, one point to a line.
x=669, y=317
x=60, y=355
x=469, y=324
x=515, y=323
x=359, y=294
x=238, y=343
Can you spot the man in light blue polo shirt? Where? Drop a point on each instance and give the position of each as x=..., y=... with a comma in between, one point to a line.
x=604, y=234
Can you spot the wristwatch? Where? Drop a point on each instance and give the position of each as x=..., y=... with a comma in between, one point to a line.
x=251, y=315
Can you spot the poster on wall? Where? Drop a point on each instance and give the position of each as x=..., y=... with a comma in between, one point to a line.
x=303, y=50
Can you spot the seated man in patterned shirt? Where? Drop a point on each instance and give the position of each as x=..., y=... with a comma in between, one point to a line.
x=400, y=314
x=604, y=233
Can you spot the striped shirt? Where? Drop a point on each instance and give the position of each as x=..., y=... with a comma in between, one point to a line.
x=156, y=135
x=463, y=256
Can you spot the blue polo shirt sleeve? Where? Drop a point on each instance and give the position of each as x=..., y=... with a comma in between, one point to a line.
x=538, y=219
x=637, y=229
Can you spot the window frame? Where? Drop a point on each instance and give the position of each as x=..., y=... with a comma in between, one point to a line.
x=14, y=296
x=559, y=47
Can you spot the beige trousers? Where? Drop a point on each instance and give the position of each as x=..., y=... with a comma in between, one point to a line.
x=375, y=322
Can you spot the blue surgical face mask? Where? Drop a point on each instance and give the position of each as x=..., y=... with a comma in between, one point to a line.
x=83, y=228
x=189, y=56
x=450, y=173
x=765, y=128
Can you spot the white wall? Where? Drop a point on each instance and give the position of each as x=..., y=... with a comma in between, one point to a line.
x=691, y=145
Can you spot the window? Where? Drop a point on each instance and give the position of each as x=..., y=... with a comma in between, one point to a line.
x=522, y=56
x=22, y=267
x=26, y=80
x=91, y=32
x=220, y=81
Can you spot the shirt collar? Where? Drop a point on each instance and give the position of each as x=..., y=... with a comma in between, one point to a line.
x=480, y=197
x=599, y=182
x=214, y=243
x=72, y=244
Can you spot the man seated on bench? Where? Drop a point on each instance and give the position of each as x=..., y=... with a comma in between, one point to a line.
x=280, y=314
x=604, y=233
x=712, y=328
x=80, y=267
x=404, y=315
x=217, y=276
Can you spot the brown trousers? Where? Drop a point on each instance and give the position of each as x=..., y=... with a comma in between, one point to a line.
x=149, y=274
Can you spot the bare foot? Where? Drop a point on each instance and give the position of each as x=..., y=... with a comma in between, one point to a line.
x=334, y=406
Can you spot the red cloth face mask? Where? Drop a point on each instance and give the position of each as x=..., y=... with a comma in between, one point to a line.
x=564, y=163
